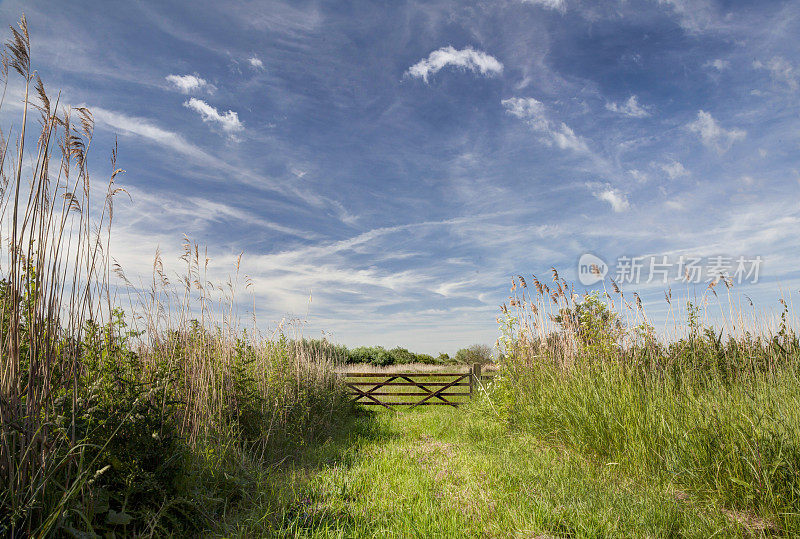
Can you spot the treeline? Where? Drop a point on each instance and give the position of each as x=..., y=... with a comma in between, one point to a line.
x=381, y=357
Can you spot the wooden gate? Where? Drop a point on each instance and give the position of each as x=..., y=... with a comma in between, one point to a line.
x=393, y=389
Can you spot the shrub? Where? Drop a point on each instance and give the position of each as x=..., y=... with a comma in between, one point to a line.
x=477, y=353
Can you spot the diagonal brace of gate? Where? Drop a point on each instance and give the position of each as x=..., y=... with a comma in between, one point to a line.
x=438, y=391
x=367, y=394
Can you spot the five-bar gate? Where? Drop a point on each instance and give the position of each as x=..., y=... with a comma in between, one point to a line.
x=394, y=389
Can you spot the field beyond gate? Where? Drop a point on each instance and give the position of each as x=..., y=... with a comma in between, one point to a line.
x=412, y=388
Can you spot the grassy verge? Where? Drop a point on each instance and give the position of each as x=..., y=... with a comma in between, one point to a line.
x=713, y=412
x=735, y=446
x=461, y=473
x=154, y=422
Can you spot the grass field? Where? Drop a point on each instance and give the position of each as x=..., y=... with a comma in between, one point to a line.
x=443, y=472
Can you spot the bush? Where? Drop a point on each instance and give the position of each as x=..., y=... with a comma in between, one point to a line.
x=477, y=353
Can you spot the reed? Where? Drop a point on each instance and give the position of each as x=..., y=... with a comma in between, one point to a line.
x=709, y=404
x=119, y=421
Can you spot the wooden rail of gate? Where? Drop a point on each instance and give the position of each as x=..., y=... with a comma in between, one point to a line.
x=439, y=391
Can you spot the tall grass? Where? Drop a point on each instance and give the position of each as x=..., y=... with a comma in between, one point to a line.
x=144, y=422
x=713, y=410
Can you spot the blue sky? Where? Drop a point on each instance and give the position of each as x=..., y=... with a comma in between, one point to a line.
x=400, y=161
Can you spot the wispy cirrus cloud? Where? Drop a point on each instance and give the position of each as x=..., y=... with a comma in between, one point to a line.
x=616, y=198
x=718, y=64
x=696, y=16
x=467, y=59
x=674, y=169
x=781, y=71
x=557, y=5
x=630, y=108
x=228, y=121
x=188, y=84
x=535, y=115
x=144, y=128
x=204, y=211
x=639, y=176
x=714, y=136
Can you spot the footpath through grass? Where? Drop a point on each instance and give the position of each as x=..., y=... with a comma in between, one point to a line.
x=439, y=472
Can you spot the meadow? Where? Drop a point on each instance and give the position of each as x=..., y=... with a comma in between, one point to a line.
x=172, y=417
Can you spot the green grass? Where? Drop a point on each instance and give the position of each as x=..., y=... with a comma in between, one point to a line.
x=734, y=443
x=713, y=412
x=440, y=472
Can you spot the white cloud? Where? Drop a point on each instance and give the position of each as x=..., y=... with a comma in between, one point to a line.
x=525, y=108
x=781, y=71
x=535, y=115
x=695, y=15
x=196, y=209
x=618, y=200
x=129, y=125
x=558, y=5
x=712, y=134
x=189, y=83
x=639, y=176
x=566, y=139
x=630, y=108
x=229, y=121
x=256, y=63
x=718, y=64
x=675, y=169
x=676, y=205
x=217, y=168
x=468, y=58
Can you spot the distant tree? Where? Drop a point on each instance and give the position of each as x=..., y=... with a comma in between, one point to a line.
x=401, y=356
x=426, y=359
x=379, y=356
x=477, y=353
x=374, y=355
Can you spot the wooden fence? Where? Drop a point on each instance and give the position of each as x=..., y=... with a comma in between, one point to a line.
x=434, y=388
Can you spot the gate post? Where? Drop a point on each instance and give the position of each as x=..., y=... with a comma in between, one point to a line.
x=475, y=377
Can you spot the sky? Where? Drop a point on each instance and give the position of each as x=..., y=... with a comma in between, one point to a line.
x=388, y=167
